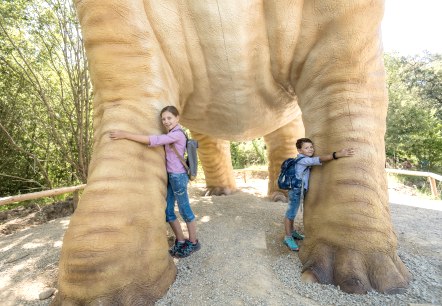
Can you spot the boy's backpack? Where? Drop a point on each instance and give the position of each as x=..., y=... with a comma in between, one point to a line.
x=190, y=161
x=287, y=177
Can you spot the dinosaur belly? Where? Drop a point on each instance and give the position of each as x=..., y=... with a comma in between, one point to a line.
x=231, y=62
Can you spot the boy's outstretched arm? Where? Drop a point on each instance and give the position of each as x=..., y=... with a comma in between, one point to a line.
x=117, y=134
x=335, y=155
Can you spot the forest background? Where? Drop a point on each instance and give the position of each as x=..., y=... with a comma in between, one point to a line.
x=46, y=130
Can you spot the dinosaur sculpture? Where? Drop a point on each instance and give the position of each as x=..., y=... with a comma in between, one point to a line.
x=236, y=69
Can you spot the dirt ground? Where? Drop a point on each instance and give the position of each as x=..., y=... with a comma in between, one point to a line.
x=245, y=229
x=23, y=217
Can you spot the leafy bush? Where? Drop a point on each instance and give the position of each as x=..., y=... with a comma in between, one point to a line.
x=248, y=153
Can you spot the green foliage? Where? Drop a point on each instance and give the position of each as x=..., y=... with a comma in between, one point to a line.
x=45, y=97
x=248, y=153
x=414, y=126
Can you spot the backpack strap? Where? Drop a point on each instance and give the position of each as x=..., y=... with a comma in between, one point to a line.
x=181, y=158
x=303, y=172
x=172, y=145
x=187, y=138
x=301, y=202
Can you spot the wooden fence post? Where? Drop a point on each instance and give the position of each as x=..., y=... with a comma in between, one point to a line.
x=433, y=186
x=76, y=199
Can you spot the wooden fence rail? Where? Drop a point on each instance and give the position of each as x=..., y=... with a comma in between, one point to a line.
x=432, y=177
x=42, y=194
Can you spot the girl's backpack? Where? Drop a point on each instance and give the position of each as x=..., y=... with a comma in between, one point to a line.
x=192, y=158
x=190, y=161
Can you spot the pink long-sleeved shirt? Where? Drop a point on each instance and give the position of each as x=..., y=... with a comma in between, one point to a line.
x=177, y=137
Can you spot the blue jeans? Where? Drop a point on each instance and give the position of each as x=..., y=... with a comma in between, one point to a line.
x=294, y=202
x=177, y=190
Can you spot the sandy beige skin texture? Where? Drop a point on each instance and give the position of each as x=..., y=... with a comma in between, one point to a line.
x=235, y=70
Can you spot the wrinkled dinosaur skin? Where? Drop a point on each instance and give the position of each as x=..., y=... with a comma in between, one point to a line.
x=236, y=70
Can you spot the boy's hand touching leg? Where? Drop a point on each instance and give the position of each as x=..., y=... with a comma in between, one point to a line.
x=347, y=152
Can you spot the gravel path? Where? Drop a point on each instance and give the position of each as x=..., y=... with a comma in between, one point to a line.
x=242, y=260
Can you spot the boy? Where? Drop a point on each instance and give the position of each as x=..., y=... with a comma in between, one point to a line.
x=302, y=169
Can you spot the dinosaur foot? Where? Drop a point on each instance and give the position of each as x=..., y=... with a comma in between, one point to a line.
x=137, y=291
x=131, y=295
x=355, y=272
x=278, y=196
x=218, y=191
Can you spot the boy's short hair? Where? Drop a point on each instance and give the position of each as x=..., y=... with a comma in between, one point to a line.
x=301, y=141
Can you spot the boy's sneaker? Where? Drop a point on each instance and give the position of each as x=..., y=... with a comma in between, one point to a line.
x=290, y=243
x=176, y=247
x=297, y=236
x=188, y=248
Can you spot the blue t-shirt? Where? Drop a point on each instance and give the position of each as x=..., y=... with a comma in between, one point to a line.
x=304, y=164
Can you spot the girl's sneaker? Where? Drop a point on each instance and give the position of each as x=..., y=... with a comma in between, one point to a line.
x=188, y=248
x=297, y=236
x=176, y=247
x=290, y=243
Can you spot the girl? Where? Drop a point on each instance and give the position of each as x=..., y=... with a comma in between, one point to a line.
x=177, y=179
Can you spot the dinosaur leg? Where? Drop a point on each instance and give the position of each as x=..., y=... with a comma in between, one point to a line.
x=217, y=164
x=115, y=249
x=350, y=241
x=281, y=144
